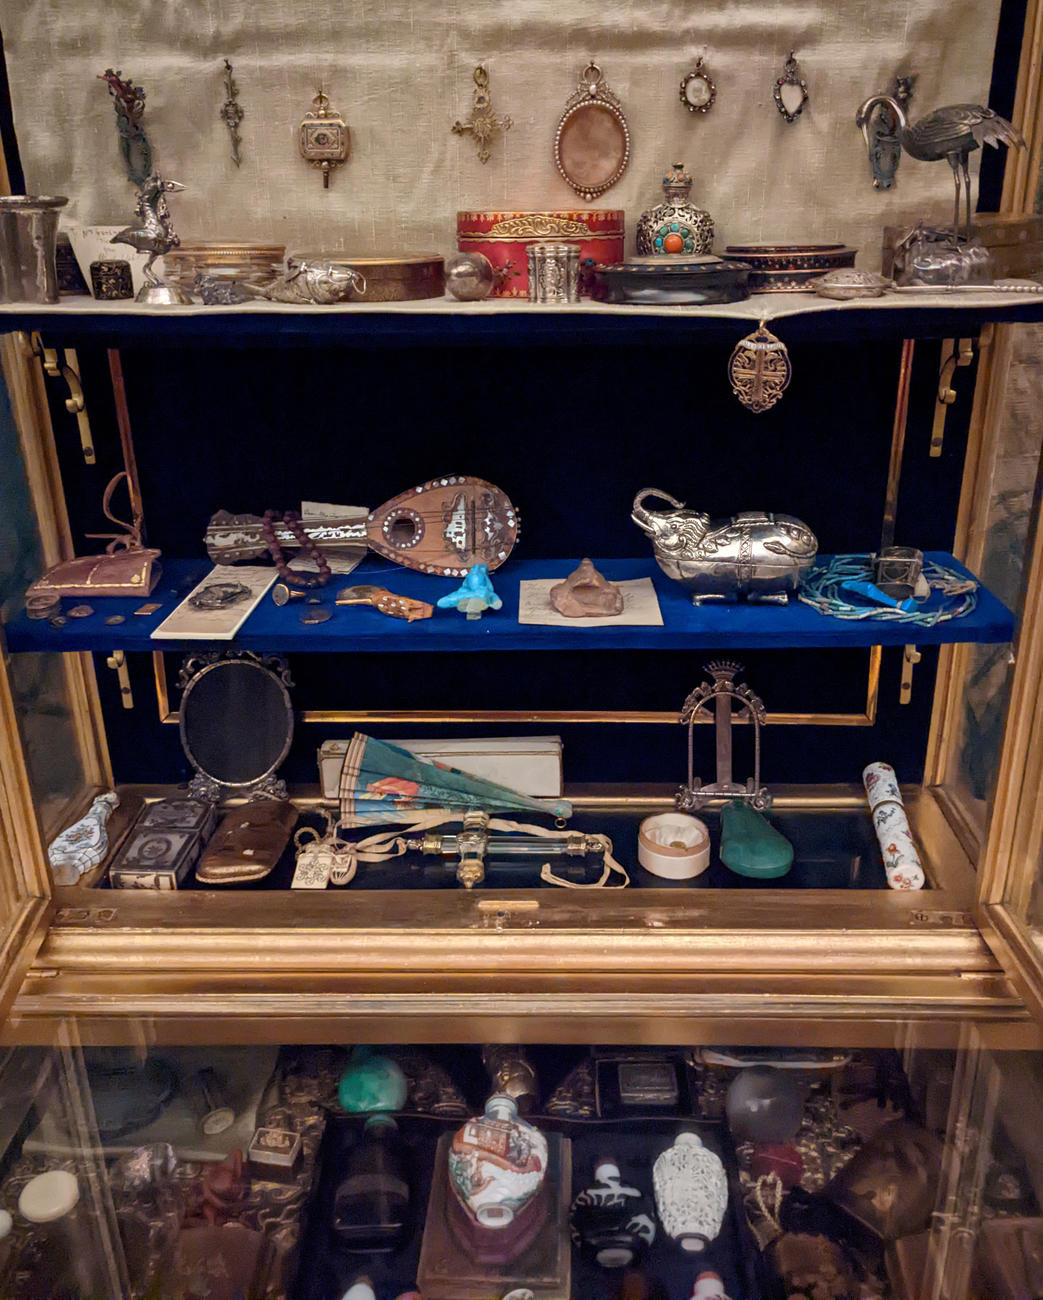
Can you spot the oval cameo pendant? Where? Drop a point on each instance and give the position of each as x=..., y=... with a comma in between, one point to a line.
x=592, y=142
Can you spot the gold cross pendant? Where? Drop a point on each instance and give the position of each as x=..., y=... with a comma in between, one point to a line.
x=483, y=123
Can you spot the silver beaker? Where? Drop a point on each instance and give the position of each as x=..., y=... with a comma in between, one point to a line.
x=28, y=233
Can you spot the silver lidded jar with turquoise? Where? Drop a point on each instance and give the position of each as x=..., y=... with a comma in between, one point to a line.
x=675, y=227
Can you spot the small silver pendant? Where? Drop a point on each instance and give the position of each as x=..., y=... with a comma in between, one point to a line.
x=698, y=91
x=483, y=123
x=791, y=91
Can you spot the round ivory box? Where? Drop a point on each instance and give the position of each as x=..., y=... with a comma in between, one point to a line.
x=673, y=845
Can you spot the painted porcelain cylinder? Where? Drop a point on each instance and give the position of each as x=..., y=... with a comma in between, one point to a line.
x=497, y=1163
x=691, y=1192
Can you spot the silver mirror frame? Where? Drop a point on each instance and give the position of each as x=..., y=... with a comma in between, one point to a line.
x=195, y=668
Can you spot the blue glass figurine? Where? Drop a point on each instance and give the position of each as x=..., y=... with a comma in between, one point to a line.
x=475, y=594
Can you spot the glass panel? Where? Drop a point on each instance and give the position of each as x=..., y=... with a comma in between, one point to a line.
x=906, y=1165
x=976, y=748
x=58, y=1233
x=39, y=683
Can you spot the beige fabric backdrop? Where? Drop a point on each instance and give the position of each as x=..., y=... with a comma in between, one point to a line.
x=400, y=73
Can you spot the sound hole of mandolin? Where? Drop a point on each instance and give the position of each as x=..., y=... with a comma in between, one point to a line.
x=403, y=530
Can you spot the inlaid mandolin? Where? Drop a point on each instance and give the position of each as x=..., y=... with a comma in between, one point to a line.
x=444, y=527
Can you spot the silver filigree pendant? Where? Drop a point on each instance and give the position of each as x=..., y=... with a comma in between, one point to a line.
x=698, y=90
x=791, y=91
x=483, y=124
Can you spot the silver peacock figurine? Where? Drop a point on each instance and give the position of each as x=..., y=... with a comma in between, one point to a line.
x=153, y=234
x=951, y=133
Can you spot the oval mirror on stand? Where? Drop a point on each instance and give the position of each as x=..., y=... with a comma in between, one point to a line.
x=236, y=723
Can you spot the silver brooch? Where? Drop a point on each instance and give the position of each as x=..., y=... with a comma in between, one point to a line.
x=698, y=91
x=791, y=91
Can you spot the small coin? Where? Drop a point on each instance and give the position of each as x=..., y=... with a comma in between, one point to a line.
x=315, y=614
x=59, y=620
x=113, y=619
x=81, y=611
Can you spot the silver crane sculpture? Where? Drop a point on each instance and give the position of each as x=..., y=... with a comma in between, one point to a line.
x=153, y=234
x=952, y=133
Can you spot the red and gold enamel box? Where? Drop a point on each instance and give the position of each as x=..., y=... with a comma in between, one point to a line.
x=504, y=236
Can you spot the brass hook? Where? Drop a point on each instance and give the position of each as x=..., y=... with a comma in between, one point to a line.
x=75, y=403
x=960, y=354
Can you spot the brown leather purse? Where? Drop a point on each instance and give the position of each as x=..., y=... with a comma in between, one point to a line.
x=126, y=568
x=248, y=843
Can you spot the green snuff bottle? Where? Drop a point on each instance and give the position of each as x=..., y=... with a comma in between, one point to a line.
x=372, y=1082
x=750, y=845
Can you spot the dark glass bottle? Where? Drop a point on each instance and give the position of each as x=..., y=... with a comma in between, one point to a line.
x=371, y=1206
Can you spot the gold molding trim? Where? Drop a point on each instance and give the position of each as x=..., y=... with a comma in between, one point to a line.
x=366, y=717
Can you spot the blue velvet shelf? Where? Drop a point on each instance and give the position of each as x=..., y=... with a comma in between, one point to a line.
x=796, y=317
x=361, y=628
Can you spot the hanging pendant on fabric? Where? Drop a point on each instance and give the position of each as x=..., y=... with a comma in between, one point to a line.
x=323, y=138
x=483, y=123
x=759, y=369
x=791, y=91
x=698, y=90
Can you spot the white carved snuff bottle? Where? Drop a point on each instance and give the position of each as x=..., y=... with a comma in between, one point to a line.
x=691, y=1192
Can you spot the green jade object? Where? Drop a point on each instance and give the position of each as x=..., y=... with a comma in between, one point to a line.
x=372, y=1083
x=751, y=846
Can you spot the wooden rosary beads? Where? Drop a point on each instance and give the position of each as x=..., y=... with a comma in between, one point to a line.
x=292, y=521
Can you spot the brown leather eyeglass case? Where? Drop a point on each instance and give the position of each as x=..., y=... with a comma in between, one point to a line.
x=248, y=843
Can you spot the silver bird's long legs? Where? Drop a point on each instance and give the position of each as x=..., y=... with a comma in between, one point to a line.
x=967, y=194
x=953, y=160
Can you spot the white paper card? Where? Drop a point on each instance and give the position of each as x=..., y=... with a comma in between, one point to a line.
x=640, y=605
x=187, y=623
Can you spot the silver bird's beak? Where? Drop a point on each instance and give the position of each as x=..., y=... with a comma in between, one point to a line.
x=174, y=186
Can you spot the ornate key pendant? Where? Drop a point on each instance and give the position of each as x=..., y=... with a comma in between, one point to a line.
x=324, y=139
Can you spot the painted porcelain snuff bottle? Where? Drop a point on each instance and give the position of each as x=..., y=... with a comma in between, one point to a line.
x=610, y=1222
x=675, y=226
x=691, y=1192
x=497, y=1163
x=84, y=844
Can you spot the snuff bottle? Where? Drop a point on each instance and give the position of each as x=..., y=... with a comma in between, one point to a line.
x=610, y=1222
x=691, y=1192
x=497, y=1163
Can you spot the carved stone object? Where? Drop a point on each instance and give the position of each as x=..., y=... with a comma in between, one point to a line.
x=586, y=593
x=691, y=1192
x=675, y=226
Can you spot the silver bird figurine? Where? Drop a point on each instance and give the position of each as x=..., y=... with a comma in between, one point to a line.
x=153, y=234
x=952, y=133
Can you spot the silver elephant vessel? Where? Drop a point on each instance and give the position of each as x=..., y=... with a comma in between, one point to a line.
x=754, y=555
